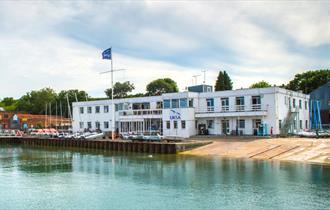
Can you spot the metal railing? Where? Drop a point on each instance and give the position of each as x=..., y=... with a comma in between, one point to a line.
x=141, y=112
x=235, y=108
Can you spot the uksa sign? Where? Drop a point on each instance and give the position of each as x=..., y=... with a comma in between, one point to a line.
x=174, y=115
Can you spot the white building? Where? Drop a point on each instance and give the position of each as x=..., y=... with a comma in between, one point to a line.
x=185, y=114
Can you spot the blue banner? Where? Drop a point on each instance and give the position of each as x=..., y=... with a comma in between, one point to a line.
x=107, y=54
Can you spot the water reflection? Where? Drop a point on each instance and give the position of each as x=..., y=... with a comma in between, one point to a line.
x=226, y=182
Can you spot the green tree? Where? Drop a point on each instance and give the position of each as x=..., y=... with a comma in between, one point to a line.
x=61, y=102
x=160, y=86
x=120, y=90
x=309, y=81
x=34, y=102
x=260, y=84
x=223, y=82
x=9, y=104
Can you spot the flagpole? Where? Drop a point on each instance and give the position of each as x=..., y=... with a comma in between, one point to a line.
x=112, y=102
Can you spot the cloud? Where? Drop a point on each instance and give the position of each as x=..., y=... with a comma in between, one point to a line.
x=43, y=46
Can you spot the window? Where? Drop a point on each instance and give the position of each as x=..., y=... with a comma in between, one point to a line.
x=106, y=109
x=106, y=124
x=119, y=107
x=89, y=110
x=81, y=110
x=159, y=105
x=167, y=104
x=295, y=124
x=210, y=124
x=191, y=102
x=210, y=104
x=168, y=125
x=81, y=125
x=300, y=124
x=306, y=104
x=175, y=103
x=240, y=123
x=240, y=103
x=300, y=104
x=97, y=109
x=175, y=124
x=183, y=124
x=225, y=104
x=280, y=124
x=183, y=103
x=256, y=123
x=306, y=124
x=97, y=125
x=256, y=102
x=89, y=125
x=294, y=103
x=285, y=100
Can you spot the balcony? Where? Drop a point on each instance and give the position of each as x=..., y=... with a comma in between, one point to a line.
x=141, y=113
x=237, y=110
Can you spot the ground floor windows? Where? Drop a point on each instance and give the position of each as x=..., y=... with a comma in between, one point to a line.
x=300, y=124
x=183, y=124
x=168, y=124
x=81, y=125
x=97, y=125
x=89, y=125
x=106, y=125
x=175, y=124
x=225, y=127
x=240, y=123
x=280, y=124
x=306, y=124
x=210, y=124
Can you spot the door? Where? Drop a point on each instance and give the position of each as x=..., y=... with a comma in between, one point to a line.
x=225, y=127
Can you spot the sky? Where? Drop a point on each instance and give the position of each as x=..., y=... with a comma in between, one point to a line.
x=58, y=44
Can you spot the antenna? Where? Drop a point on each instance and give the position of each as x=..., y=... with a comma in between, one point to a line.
x=204, y=76
x=195, y=77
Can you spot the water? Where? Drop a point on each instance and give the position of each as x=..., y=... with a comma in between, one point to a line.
x=63, y=179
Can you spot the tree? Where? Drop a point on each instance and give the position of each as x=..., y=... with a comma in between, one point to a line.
x=34, y=102
x=309, y=81
x=223, y=82
x=120, y=90
x=62, y=100
x=9, y=104
x=160, y=86
x=260, y=84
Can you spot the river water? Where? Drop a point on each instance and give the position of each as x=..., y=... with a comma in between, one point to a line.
x=41, y=178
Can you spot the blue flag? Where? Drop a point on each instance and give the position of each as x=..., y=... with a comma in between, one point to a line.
x=107, y=54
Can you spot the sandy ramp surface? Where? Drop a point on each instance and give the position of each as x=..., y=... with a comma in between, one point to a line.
x=288, y=149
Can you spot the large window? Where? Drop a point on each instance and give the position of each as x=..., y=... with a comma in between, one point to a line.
x=240, y=123
x=210, y=104
x=119, y=107
x=183, y=103
x=144, y=105
x=294, y=103
x=89, y=125
x=240, y=103
x=97, y=109
x=89, y=110
x=300, y=104
x=106, y=109
x=210, y=124
x=175, y=103
x=81, y=110
x=256, y=102
x=225, y=104
x=167, y=104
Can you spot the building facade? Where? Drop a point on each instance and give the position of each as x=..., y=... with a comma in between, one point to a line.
x=185, y=114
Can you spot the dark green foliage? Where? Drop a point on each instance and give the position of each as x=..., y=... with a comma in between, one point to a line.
x=261, y=84
x=160, y=86
x=120, y=90
x=223, y=82
x=9, y=104
x=62, y=101
x=308, y=81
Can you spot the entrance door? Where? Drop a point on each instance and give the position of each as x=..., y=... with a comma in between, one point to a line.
x=225, y=127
